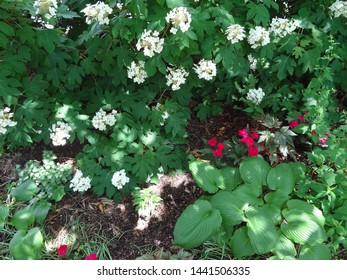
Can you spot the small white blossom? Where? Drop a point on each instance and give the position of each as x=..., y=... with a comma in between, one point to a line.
x=46, y=8
x=235, y=33
x=255, y=95
x=80, y=183
x=60, y=132
x=137, y=72
x=150, y=43
x=180, y=18
x=97, y=12
x=5, y=120
x=252, y=62
x=339, y=8
x=119, y=179
x=101, y=119
x=119, y=6
x=282, y=26
x=258, y=36
x=206, y=69
x=176, y=77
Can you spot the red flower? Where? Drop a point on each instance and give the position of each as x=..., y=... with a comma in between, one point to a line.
x=326, y=134
x=91, y=256
x=248, y=141
x=293, y=123
x=220, y=146
x=305, y=112
x=243, y=132
x=322, y=140
x=314, y=132
x=301, y=118
x=253, y=151
x=212, y=142
x=62, y=250
x=217, y=153
x=255, y=135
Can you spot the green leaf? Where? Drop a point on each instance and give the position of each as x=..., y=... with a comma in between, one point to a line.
x=176, y=3
x=23, y=218
x=298, y=169
x=206, y=176
x=230, y=207
x=277, y=198
x=254, y=170
x=25, y=191
x=316, y=252
x=284, y=247
x=41, y=210
x=259, y=13
x=47, y=39
x=295, y=206
x=261, y=230
x=284, y=64
x=3, y=215
x=58, y=193
x=27, y=246
x=231, y=177
x=240, y=244
x=281, y=178
x=249, y=193
x=198, y=223
x=6, y=29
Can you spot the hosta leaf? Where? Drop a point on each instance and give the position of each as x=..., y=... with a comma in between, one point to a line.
x=23, y=218
x=3, y=215
x=261, y=230
x=41, y=210
x=229, y=206
x=281, y=178
x=27, y=246
x=231, y=177
x=254, y=170
x=197, y=224
x=206, y=176
x=284, y=247
x=316, y=252
x=25, y=191
x=240, y=244
x=305, y=208
x=299, y=169
x=249, y=193
x=277, y=198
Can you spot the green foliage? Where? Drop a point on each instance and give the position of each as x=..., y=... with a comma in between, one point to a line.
x=145, y=201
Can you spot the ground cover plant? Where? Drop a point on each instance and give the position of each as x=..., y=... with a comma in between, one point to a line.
x=247, y=96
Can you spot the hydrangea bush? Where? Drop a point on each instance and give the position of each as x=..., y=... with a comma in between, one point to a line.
x=119, y=76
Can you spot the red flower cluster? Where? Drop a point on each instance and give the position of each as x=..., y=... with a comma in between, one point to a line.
x=91, y=256
x=219, y=147
x=295, y=123
x=249, y=141
x=62, y=250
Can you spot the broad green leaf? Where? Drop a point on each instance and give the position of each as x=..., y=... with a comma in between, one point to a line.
x=284, y=64
x=254, y=170
x=305, y=208
x=25, y=191
x=277, y=198
x=231, y=177
x=281, y=178
x=48, y=38
x=197, y=224
x=41, y=210
x=27, y=246
x=284, y=247
x=206, y=176
x=176, y=3
x=299, y=169
x=249, y=193
x=3, y=215
x=240, y=244
x=58, y=193
x=316, y=252
x=23, y=218
x=261, y=230
x=229, y=206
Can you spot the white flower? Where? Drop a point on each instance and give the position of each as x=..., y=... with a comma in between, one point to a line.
x=235, y=33
x=206, y=69
x=97, y=12
x=258, y=36
x=80, y=183
x=282, y=26
x=5, y=120
x=59, y=133
x=339, y=8
x=119, y=179
x=252, y=62
x=150, y=43
x=137, y=72
x=180, y=18
x=176, y=77
x=47, y=8
x=101, y=119
x=119, y=6
x=255, y=95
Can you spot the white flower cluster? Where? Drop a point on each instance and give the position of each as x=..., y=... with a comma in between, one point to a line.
x=176, y=77
x=258, y=36
x=339, y=8
x=80, y=183
x=252, y=62
x=255, y=95
x=119, y=6
x=282, y=26
x=150, y=42
x=60, y=131
x=101, y=119
x=47, y=8
x=235, y=33
x=5, y=120
x=206, y=69
x=119, y=179
x=137, y=72
x=97, y=12
x=180, y=18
